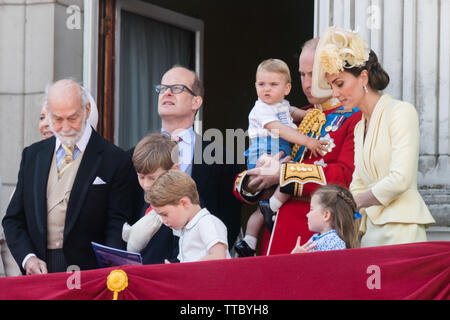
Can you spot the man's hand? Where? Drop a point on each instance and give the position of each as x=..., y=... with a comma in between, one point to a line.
x=35, y=265
x=266, y=173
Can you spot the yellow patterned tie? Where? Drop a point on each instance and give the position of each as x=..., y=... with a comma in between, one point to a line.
x=67, y=161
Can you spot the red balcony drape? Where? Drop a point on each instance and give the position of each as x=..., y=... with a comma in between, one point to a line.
x=412, y=271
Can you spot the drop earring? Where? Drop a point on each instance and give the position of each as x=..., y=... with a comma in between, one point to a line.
x=365, y=89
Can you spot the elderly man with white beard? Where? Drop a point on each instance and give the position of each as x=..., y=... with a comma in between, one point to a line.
x=72, y=189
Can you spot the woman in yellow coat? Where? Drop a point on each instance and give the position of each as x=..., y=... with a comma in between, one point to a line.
x=386, y=141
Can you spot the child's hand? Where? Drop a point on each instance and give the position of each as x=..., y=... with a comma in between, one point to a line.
x=166, y=261
x=299, y=114
x=303, y=249
x=317, y=147
x=303, y=113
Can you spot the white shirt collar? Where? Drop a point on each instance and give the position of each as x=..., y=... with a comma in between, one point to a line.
x=82, y=143
x=203, y=212
x=185, y=135
x=278, y=104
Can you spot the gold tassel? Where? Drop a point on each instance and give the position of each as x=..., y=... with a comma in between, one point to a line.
x=311, y=123
x=117, y=281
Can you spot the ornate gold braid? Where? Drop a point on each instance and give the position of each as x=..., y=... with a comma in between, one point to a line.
x=313, y=122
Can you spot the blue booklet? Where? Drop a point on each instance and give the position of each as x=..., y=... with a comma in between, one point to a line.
x=111, y=257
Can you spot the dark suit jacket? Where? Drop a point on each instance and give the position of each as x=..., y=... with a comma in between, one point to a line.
x=94, y=212
x=215, y=182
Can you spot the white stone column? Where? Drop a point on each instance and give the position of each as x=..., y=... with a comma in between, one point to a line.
x=26, y=64
x=90, y=46
x=412, y=41
x=36, y=48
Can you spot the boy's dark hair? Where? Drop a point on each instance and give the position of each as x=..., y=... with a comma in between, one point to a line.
x=154, y=151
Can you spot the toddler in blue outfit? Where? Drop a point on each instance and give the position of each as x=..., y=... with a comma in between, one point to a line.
x=271, y=121
x=272, y=129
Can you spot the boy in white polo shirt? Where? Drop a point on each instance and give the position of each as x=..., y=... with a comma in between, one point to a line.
x=203, y=236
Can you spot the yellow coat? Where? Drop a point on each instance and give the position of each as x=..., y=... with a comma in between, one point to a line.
x=387, y=162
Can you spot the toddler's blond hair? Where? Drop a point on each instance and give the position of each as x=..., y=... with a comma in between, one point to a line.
x=277, y=66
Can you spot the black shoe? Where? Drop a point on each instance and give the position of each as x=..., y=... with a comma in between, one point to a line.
x=243, y=249
x=267, y=213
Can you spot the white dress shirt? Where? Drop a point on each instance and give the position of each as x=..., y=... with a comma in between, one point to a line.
x=186, y=148
x=80, y=145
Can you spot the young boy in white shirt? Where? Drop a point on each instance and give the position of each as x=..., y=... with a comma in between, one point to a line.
x=203, y=236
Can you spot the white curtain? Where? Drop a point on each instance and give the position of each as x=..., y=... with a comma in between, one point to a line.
x=148, y=48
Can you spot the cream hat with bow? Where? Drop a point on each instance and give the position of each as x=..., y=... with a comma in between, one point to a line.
x=337, y=49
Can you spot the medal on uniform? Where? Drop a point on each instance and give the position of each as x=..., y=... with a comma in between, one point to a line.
x=336, y=119
x=338, y=124
x=330, y=127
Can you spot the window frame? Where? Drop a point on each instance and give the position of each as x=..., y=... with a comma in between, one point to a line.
x=165, y=16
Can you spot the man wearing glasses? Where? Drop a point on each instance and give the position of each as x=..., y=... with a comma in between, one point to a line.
x=180, y=97
x=177, y=107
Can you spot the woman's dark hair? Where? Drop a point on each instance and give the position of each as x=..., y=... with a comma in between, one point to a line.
x=378, y=77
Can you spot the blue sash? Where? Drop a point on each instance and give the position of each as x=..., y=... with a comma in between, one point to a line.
x=334, y=122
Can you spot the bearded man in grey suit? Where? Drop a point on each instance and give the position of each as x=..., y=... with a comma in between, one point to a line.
x=72, y=189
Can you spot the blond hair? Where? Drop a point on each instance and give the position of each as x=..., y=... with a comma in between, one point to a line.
x=154, y=151
x=339, y=201
x=170, y=187
x=277, y=66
